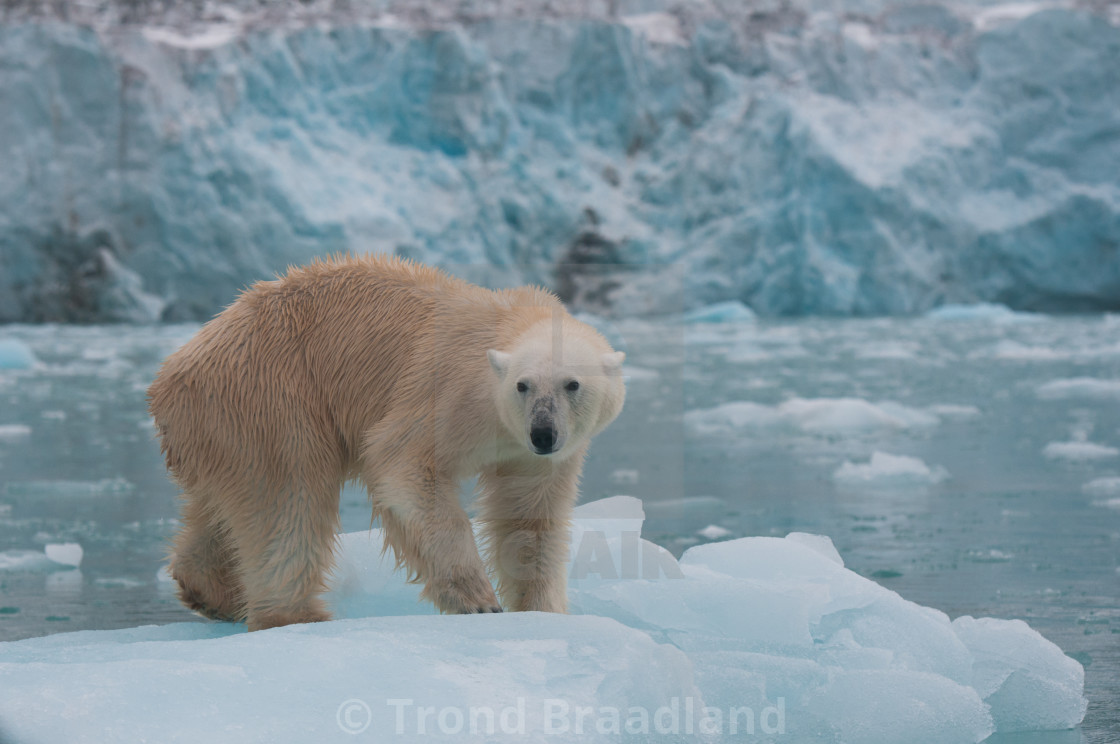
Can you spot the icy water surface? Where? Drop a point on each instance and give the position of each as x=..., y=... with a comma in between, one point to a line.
x=971, y=465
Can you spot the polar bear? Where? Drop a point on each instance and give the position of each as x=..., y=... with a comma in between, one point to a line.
x=407, y=379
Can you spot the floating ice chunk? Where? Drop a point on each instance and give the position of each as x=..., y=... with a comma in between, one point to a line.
x=118, y=582
x=522, y=666
x=690, y=603
x=922, y=707
x=1027, y=680
x=828, y=415
x=1015, y=351
x=954, y=411
x=1079, y=387
x=1103, y=487
x=71, y=489
x=728, y=419
x=12, y=432
x=983, y=311
x=1079, y=451
x=50, y=558
x=788, y=565
x=991, y=555
x=825, y=416
x=15, y=354
x=775, y=624
x=163, y=575
x=714, y=532
x=66, y=554
x=832, y=598
x=887, y=469
x=819, y=543
x=24, y=560
x=624, y=477
x=627, y=509
x=1108, y=503
x=721, y=312
x=639, y=374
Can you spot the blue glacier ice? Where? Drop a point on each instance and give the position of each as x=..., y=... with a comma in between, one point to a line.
x=15, y=354
x=645, y=156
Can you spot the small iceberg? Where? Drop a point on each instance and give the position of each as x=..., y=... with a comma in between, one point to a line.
x=721, y=312
x=763, y=634
x=889, y=470
x=1079, y=451
x=53, y=557
x=15, y=354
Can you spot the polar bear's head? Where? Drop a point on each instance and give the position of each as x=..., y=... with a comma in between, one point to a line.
x=558, y=386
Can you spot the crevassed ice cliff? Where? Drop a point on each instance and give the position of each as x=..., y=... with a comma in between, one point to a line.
x=637, y=156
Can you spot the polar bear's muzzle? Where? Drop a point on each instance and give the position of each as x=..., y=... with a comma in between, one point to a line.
x=544, y=438
x=543, y=433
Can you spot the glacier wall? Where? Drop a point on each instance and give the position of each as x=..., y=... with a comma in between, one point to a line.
x=641, y=157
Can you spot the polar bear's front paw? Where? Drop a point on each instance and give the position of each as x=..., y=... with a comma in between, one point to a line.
x=463, y=594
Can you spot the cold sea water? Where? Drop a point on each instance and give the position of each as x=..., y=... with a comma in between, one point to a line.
x=970, y=462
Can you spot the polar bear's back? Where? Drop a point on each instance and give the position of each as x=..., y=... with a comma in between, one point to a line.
x=320, y=355
x=385, y=292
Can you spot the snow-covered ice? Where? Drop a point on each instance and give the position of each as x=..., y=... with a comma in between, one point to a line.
x=885, y=469
x=773, y=633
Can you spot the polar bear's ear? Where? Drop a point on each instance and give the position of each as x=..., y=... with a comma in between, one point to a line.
x=612, y=362
x=499, y=361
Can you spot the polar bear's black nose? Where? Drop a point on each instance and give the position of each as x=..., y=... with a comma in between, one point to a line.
x=543, y=439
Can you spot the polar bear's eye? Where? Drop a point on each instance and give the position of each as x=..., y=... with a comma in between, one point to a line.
x=572, y=386
x=522, y=387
